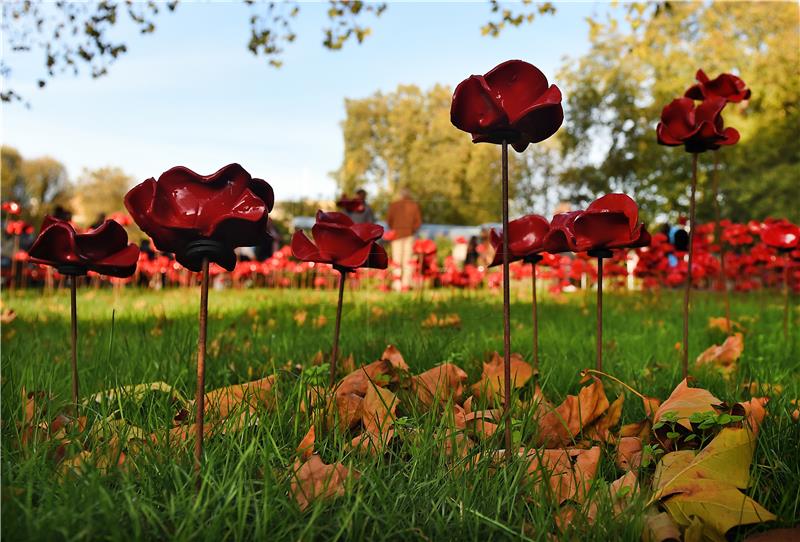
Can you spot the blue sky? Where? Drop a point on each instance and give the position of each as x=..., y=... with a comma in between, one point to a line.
x=191, y=94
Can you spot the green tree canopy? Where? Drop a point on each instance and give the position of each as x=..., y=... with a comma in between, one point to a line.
x=640, y=62
x=39, y=184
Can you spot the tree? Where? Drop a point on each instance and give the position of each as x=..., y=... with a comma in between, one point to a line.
x=39, y=185
x=100, y=192
x=405, y=139
x=616, y=91
x=80, y=34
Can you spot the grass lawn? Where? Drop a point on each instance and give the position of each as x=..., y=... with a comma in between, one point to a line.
x=414, y=491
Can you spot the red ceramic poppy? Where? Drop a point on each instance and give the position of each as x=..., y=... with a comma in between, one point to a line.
x=18, y=227
x=11, y=207
x=784, y=236
x=104, y=249
x=513, y=103
x=697, y=128
x=202, y=216
x=341, y=243
x=525, y=238
x=725, y=85
x=609, y=222
x=424, y=246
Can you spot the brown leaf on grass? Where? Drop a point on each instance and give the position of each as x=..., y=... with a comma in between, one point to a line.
x=763, y=388
x=753, y=411
x=306, y=447
x=637, y=429
x=659, y=527
x=377, y=416
x=7, y=316
x=393, y=356
x=249, y=396
x=569, y=472
x=629, y=453
x=557, y=427
x=315, y=479
x=300, y=317
x=776, y=535
x=651, y=405
x=448, y=320
x=348, y=364
x=703, y=490
x=481, y=423
x=600, y=430
x=380, y=373
x=720, y=323
x=725, y=355
x=621, y=491
x=320, y=321
x=343, y=411
x=492, y=379
x=685, y=401
x=440, y=383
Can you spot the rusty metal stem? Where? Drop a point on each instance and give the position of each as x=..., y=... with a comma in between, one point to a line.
x=506, y=307
x=335, y=354
x=687, y=292
x=200, y=393
x=73, y=314
x=535, y=315
x=723, y=277
x=599, y=346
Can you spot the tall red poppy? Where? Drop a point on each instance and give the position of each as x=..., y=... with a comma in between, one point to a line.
x=513, y=102
x=782, y=235
x=698, y=129
x=104, y=249
x=340, y=242
x=202, y=216
x=610, y=222
x=525, y=238
x=725, y=85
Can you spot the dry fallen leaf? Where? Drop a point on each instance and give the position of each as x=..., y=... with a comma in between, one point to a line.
x=776, y=535
x=754, y=412
x=377, y=416
x=725, y=355
x=721, y=323
x=629, y=453
x=448, y=320
x=703, y=489
x=306, y=447
x=685, y=401
x=557, y=427
x=491, y=382
x=600, y=430
x=440, y=383
x=249, y=396
x=660, y=528
x=315, y=479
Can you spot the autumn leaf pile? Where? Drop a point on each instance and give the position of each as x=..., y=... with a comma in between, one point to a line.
x=689, y=458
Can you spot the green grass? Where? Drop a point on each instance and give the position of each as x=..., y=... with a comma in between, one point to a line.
x=413, y=492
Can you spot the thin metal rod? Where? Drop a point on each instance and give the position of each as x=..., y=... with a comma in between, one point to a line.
x=723, y=276
x=506, y=307
x=535, y=315
x=13, y=279
x=599, y=345
x=200, y=393
x=335, y=354
x=73, y=314
x=687, y=292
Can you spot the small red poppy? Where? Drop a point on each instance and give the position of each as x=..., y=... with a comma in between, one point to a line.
x=784, y=235
x=561, y=237
x=725, y=85
x=202, y=216
x=341, y=243
x=525, y=238
x=104, y=249
x=697, y=128
x=11, y=207
x=513, y=103
x=610, y=222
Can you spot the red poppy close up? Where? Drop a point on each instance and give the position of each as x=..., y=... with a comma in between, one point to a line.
x=525, y=238
x=202, y=216
x=11, y=207
x=104, y=250
x=340, y=242
x=18, y=227
x=513, y=103
x=698, y=129
x=784, y=235
x=425, y=247
x=609, y=222
x=350, y=205
x=725, y=85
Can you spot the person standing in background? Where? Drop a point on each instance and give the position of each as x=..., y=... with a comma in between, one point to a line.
x=404, y=219
x=357, y=208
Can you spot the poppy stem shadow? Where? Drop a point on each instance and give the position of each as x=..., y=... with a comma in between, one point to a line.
x=200, y=393
x=335, y=353
x=73, y=314
x=687, y=292
x=506, y=307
